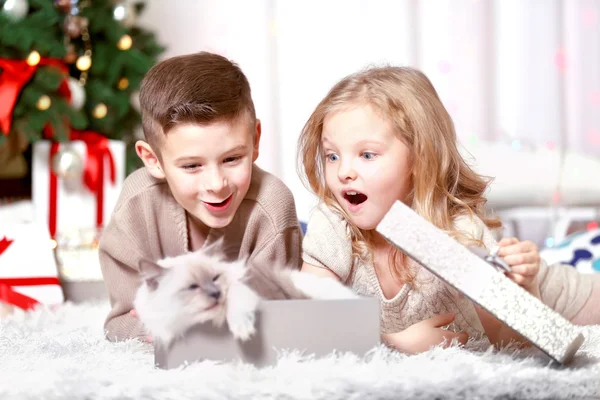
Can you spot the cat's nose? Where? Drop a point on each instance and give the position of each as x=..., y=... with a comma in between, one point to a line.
x=212, y=290
x=215, y=294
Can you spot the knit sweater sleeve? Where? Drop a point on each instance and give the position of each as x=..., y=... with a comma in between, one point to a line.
x=119, y=253
x=327, y=243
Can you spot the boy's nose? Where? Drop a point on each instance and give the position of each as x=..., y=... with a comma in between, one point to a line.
x=215, y=182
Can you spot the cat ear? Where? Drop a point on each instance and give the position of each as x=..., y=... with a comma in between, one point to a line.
x=150, y=272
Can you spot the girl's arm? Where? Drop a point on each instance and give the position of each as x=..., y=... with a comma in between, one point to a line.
x=497, y=332
x=319, y=271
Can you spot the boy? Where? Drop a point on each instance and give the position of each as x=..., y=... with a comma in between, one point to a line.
x=199, y=183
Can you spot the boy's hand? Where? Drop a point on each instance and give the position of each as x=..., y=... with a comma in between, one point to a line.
x=423, y=335
x=133, y=313
x=524, y=261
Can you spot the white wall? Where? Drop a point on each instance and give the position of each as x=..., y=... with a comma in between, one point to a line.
x=524, y=70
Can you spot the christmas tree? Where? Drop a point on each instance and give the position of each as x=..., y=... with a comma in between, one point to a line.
x=69, y=66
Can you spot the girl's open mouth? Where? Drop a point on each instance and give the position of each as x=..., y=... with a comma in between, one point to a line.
x=355, y=200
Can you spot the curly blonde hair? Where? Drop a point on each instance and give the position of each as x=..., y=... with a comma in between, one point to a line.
x=443, y=185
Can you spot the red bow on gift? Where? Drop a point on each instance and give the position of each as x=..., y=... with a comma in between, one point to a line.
x=98, y=151
x=8, y=295
x=15, y=74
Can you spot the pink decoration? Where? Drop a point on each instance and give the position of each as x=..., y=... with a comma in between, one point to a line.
x=550, y=145
x=595, y=97
x=556, y=197
x=560, y=59
x=590, y=17
x=593, y=136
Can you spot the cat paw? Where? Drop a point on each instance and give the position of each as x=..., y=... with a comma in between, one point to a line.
x=242, y=326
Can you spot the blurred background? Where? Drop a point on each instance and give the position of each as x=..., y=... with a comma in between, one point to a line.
x=519, y=78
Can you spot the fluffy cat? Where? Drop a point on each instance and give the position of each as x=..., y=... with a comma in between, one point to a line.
x=180, y=292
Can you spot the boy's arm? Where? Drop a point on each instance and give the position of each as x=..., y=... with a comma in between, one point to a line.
x=118, y=255
x=283, y=250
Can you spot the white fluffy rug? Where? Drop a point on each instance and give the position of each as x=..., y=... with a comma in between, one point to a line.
x=63, y=355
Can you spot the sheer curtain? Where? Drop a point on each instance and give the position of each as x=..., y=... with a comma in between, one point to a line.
x=519, y=77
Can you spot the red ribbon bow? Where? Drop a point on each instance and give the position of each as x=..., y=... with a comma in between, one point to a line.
x=98, y=151
x=15, y=74
x=8, y=295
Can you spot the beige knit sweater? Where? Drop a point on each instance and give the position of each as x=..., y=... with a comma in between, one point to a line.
x=148, y=222
x=327, y=245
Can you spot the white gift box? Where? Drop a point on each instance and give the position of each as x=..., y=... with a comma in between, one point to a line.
x=27, y=264
x=75, y=202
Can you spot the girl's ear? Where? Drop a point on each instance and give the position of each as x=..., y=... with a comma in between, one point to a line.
x=150, y=272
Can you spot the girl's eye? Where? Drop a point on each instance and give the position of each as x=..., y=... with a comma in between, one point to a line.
x=216, y=277
x=193, y=286
x=191, y=166
x=368, y=156
x=232, y=159
x=332, y=157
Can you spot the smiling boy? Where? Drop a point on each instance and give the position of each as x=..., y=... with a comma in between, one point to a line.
x=199, y=184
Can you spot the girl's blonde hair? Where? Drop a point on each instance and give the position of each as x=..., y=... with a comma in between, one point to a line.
x=443, y=185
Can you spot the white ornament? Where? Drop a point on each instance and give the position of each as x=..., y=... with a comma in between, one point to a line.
x=67, y=164
x=125, y=13
x=16, y=9
x=135, y=101
x=77, y=93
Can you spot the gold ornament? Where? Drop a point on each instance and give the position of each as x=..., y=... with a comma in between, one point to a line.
x=43, y=103
x=67, y=163
x=125, y=42
x=100, y=111
x=123, y=83
x=84, y=63
x=33, y=58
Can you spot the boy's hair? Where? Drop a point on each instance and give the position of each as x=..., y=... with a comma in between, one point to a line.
x=199, y=88
x=443, y=185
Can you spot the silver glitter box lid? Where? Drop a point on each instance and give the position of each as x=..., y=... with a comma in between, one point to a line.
x=483, y=284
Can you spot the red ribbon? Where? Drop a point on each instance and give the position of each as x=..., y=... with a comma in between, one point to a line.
x=98, y=151
x=15, y=74
x=8, y=295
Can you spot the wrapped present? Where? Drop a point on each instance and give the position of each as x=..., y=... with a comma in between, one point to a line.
x=482, y=282
x=28, y=273
x=76, y=184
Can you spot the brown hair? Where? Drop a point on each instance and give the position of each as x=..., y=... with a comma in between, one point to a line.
x=443, y=185
x=196, y=88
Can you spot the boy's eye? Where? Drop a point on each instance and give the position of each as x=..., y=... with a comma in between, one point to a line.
x=193, y=286
x=232, y=159
x=192, y=166
x=332, y=157
x=368, y=155
x=216, y=277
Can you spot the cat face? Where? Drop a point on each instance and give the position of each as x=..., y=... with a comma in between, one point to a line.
x=182, y=291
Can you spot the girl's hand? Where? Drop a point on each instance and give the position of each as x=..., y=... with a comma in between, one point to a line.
x=524, y=261
x=423, y=335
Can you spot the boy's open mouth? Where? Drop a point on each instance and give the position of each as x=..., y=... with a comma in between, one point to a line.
x=218, y=206
x=354, y=197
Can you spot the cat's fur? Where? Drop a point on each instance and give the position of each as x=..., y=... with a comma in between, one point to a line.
x=180, y=292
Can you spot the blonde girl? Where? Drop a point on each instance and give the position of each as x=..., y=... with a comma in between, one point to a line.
x=383, y=135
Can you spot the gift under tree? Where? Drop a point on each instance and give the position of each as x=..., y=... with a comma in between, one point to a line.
x=70, y=72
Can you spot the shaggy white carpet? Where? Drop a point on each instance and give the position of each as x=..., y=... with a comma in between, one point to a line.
x=63, y=355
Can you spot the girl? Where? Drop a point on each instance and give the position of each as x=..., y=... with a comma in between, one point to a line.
x=383, y=135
